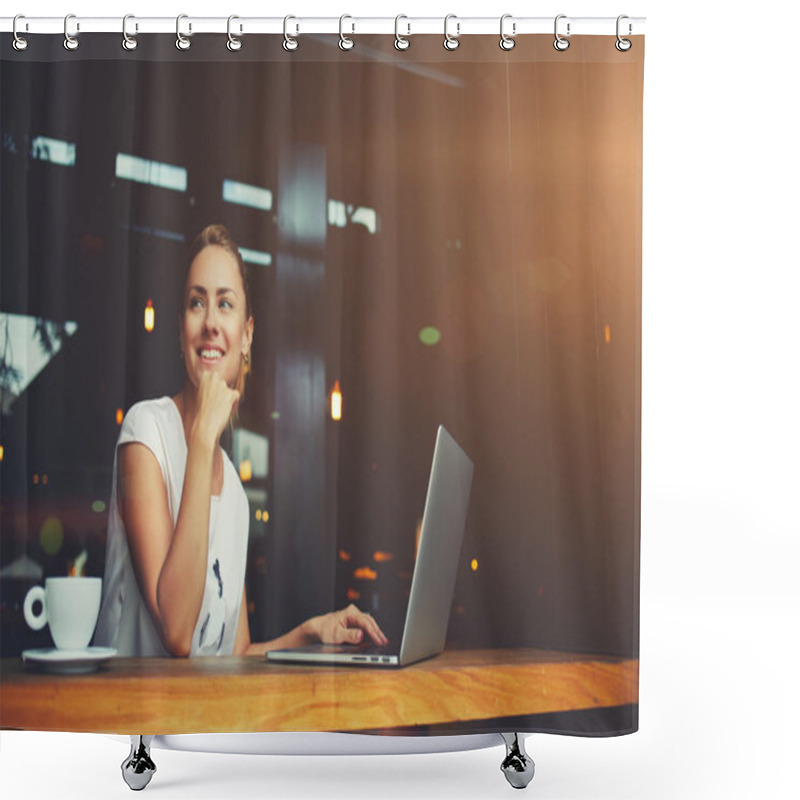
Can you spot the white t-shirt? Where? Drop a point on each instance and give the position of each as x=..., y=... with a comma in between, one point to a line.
x=124, y=621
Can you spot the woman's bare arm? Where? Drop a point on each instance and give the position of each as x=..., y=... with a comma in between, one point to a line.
x=170, y=563
x=346, y=625
x=244, y=647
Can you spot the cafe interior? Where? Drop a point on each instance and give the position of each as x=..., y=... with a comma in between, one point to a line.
x=402, y=275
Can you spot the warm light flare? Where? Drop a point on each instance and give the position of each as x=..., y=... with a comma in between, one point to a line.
x=120, y=416
x=474, y=564
x=149, y=317
x=353, y=595
x=382, y=557
x=246, y=470
x=366, y=574
x=344, y=555
x=608, y=334
x=2, y=452
x=336, y=402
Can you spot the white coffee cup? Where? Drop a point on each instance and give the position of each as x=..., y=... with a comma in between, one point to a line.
x=69, y=606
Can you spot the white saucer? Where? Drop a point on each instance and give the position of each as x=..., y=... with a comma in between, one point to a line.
x=69, y=662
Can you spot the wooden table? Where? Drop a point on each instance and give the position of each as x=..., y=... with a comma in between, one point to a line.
x=208, y=695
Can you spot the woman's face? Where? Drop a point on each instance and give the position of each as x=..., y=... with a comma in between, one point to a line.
x=215, y=332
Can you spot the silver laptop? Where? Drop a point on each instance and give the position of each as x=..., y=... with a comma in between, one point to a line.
x=434, y=573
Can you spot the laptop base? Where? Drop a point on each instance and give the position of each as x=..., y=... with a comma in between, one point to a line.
x=344, y=655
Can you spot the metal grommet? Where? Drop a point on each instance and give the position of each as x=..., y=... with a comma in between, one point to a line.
x=234, y=43
x=19, y=43
x=400, y=42
x=506, y=42
x=344, y=42
x=128, y=42
x=623, y=45
x=561, y=43
x=182, y=43
x=70, y=42
x=289, y=42
x=451, y=42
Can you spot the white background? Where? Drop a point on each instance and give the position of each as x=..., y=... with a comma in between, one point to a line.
x=720, y=613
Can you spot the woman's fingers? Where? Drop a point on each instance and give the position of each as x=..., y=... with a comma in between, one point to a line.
x=352, y=635
x=358, y=619
x=216, y=401
x=349, y=625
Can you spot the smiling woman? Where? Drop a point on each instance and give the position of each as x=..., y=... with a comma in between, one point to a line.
x=216, y=320
x=178, y=521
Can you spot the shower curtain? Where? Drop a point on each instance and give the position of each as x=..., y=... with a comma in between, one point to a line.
x=432, y=237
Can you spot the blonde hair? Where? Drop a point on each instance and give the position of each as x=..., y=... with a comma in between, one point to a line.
x=220, y=236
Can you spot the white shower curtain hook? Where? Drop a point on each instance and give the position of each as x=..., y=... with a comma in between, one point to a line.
x=70, y=42
x=234, y=43
x=289, y=42
x=451, y=42
x=623, y=45
x=182, y=43
x=344, y=42
x=507, y=42
x=561, y=43
x=400, y=42
x=20, y=43
x=128, y=42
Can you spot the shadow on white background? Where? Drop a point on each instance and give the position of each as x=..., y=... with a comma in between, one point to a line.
x=717, y=689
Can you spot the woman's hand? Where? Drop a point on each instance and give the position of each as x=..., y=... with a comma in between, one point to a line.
x=215, y=404
x=346, y=627
x=341, y=627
